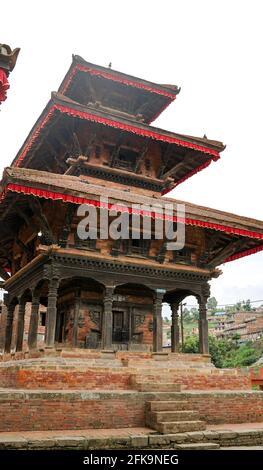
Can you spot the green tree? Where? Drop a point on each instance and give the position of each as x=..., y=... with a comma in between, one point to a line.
x=243, y=356
x=194, y=313
x=247, y=305
x=225, y=353
x=212, y=305
x=187, y=315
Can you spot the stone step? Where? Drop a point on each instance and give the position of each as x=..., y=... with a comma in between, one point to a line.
x=157, y=387
x=156, y=377
x=171, y=405
x=179, y=426
x=199, y=446
x=169, y=416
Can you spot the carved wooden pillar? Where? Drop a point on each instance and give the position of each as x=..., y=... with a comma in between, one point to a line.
x=76, y=318
x=203, y=323
x=33, y=325
x=51, y=312
x=106, y=337
x=20, y=325
x=175, y=332
x=9, y=327
x=158, y=321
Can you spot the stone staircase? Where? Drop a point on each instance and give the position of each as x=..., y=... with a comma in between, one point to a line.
x=173, y=416
x=170, y=416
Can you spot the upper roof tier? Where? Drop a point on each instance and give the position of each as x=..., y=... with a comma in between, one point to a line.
x=68, y=129
x=98, y=123
x=133, y=97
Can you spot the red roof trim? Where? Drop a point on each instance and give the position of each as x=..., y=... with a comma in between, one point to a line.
x=251, y=251
x=34, y=136
x=112, y=123
x=114, y=78
x=191, y=173
x=136, y=130
x=82, y=200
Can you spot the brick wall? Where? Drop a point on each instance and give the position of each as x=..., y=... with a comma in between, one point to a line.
x=41, y=411
x=228, y=407
x=54, y=376
x=76, y=410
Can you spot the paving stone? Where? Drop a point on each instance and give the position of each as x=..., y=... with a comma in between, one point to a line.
x=41, y=443
x=70, y=441
x=115, y=442
x=159, y=440
x=139, y=441
x=250, y=432
x=13, y=442
x=195, y=436
x=199, y=446
x=213, y=435
x=95, y=442
x=227, y=435
x=167, y=438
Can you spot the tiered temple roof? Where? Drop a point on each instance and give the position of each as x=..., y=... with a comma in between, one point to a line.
x=96, y=129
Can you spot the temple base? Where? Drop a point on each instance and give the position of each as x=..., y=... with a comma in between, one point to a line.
x=63, y=369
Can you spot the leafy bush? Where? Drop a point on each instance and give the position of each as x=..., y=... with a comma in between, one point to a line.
x=225, y=353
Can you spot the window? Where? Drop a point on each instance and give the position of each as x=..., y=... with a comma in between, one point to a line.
x=89, y=244
x=183, y=256
x=138, y=246
x=126, y=159
x=97, y=151
x=42, y=318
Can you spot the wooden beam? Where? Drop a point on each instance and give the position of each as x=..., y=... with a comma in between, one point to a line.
x=76, y=144
x=43, y=137
x=44, y=226
x=211, y=240
x=26, y=219
x=165, y=156
x=23, y=247
x=90, y=145
x=115, y=153
x=55, y=155
x=228, y=250
x=173, y=170
x=141, y=157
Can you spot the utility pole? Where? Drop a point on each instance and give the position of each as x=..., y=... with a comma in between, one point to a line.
x=182, y=324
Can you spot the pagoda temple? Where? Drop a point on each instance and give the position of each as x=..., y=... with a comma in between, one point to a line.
x=94, y=139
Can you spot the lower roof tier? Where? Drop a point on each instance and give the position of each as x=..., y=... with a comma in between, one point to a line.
x=34, y=201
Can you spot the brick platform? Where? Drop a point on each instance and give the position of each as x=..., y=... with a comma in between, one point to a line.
x=91, y=370
x=81, y=389
x=47, y=410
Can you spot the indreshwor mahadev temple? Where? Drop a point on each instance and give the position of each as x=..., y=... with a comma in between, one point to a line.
x=102, y=297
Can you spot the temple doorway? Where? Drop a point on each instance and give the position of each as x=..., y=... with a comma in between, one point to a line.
x=120, y=326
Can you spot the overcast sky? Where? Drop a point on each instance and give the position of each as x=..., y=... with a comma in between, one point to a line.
x=212, y=49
